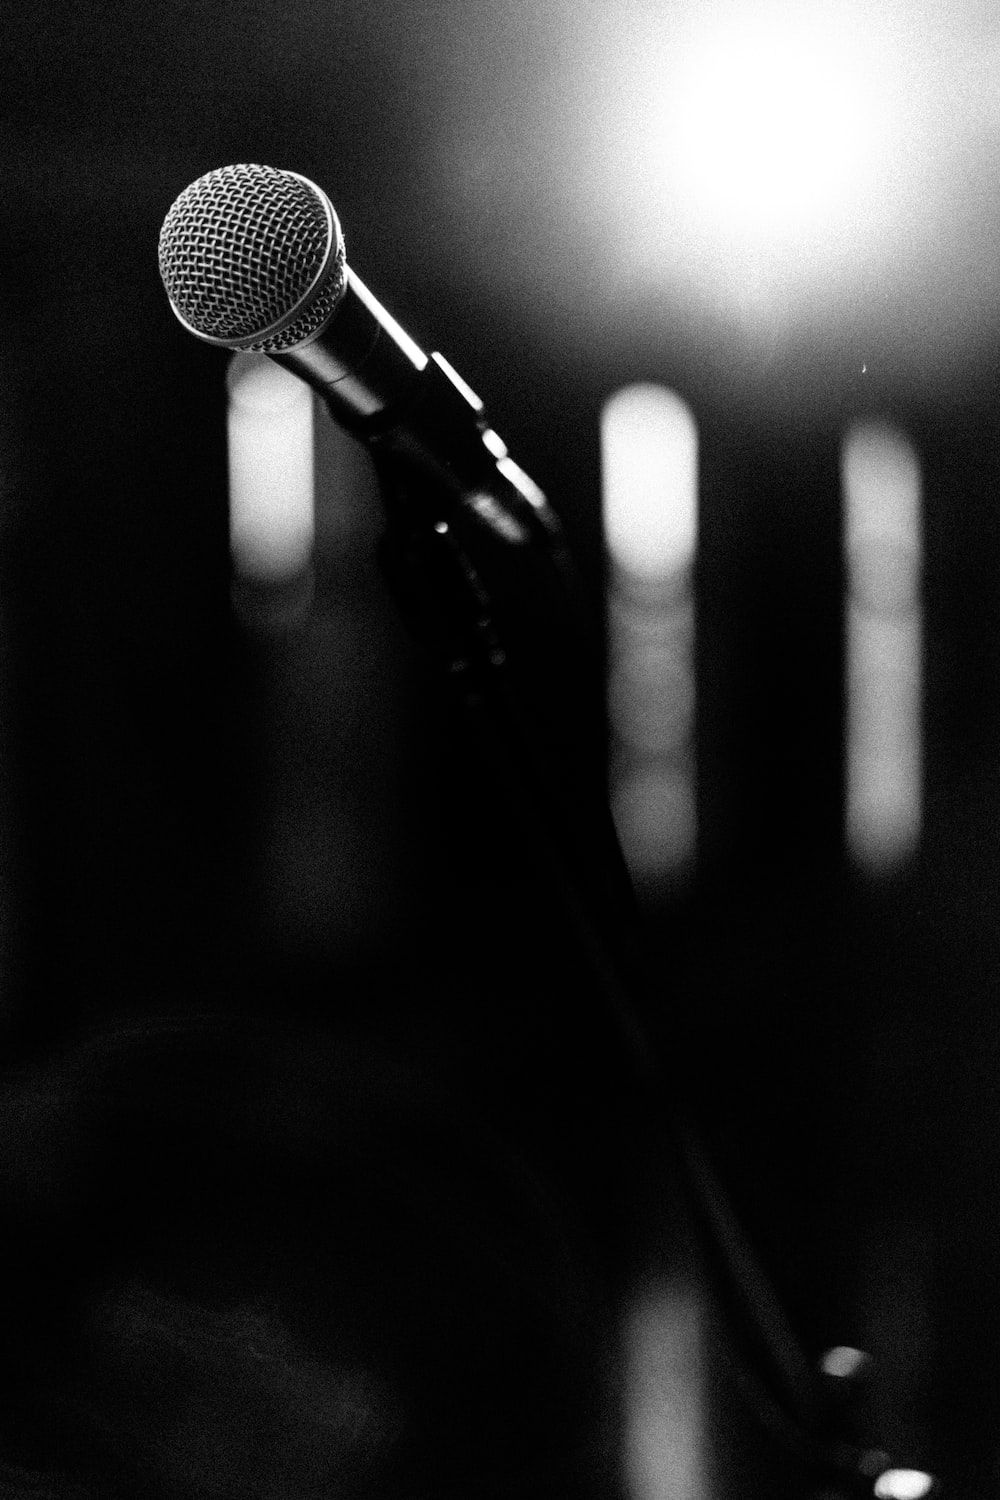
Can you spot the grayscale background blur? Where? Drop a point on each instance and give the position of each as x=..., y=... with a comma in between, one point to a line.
x=200, y=819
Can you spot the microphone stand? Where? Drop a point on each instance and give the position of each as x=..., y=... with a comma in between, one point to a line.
x=479, y=567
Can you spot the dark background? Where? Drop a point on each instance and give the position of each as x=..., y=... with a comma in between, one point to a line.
x=199, y=818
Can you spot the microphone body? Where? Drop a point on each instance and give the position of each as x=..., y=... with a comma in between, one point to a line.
x=253, y=258
x=360, y=361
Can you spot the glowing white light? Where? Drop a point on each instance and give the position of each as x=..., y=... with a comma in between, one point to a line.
x=649, y=464
x=844, y=1363
x=654, y=813
x=740, y=175
x=651, y=693
x=903, y=1484
x=882, y=491
x=665, y=1407
x=271, y=485
x=649, y=461
x=768, y=126
x=882, y=535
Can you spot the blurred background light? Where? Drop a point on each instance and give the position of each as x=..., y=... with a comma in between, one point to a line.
x=666, y=1407
x=759, y=151
x=884, y=628
x=271, y=483
x=649, y=469
x=718, y=173
x=904, y=1484
x=769, y=129
x=845, y=1363
x=656, y=820
x=649, y=457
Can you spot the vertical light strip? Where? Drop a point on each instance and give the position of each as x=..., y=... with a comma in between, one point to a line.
x=884, y=624
x=664, y=1427
x=271, y=488
x=649, y=470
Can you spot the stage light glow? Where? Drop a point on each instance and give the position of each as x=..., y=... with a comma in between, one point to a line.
x=665, y=1401
x=845, y=1363
x=649, y=449
x=271, y=484
x=768, y=125
x=882, y=538
x=904, y=1484
x=738, y=182
x=655, y=816
x=751, y=156
x=651, y=697
x=649, y=467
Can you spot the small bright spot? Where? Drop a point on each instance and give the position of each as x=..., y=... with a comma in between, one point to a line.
x=843, y=1363
x=770, y=124
x=903, y=1484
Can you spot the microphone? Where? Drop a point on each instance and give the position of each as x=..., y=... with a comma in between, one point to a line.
x=252, y=258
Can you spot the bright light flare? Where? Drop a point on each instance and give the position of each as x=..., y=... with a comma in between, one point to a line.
x=738, y=180
x=769, y=127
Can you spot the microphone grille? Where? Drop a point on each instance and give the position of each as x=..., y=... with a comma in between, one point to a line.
x=242, y=247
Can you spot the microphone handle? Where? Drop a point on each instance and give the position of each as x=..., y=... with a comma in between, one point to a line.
x=363, y=364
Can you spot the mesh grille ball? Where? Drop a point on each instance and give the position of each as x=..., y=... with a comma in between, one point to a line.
x=240, y=249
